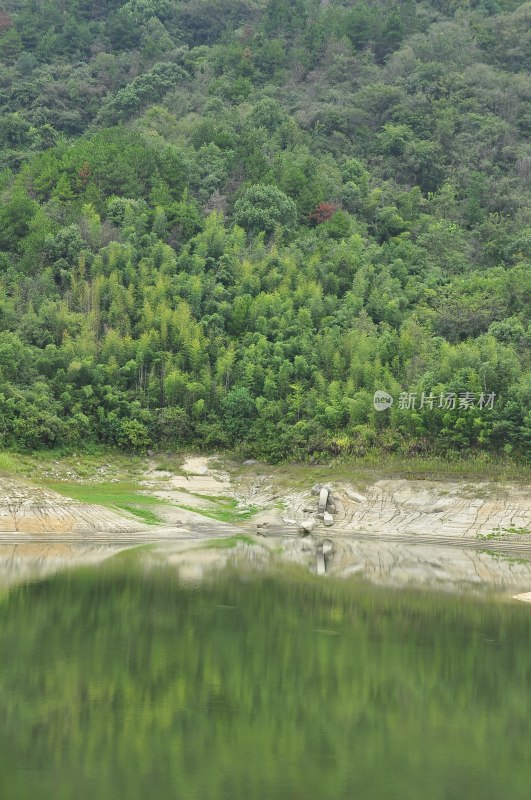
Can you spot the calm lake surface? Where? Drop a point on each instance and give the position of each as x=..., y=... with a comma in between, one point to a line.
x=118, y=684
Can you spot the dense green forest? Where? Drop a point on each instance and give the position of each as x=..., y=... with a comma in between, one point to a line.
x=227, y=223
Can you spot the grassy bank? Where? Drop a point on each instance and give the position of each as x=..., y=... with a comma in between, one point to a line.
x=376, y=466
x=225, y=510
x=122, y=496
x=100, y=466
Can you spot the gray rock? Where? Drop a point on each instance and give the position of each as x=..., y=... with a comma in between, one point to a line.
x=308, y=525
x=331, y=508
x=316, y=488
x=328, y=519
x=250, y=462
x=358, y=498
x=151, y=453
x=323, y=500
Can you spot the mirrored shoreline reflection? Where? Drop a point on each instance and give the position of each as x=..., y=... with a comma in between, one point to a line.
x=385, y=563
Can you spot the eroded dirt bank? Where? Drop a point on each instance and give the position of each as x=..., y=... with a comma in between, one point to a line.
x=205, y=494
x=213, y=514
x=460, y=509
x=29, y=508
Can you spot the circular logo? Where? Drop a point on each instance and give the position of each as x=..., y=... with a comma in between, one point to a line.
x=382, y=400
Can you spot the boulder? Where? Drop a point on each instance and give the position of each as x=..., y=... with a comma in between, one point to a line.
x=308, y=525
x=323, y=500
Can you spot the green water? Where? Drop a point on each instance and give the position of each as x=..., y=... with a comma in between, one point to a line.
x=116, y=685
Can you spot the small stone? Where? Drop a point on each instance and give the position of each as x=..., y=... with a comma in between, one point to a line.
x=249, y=462
x=151, y=453
x=308, y=525
x=328, y=519
x=316, y=488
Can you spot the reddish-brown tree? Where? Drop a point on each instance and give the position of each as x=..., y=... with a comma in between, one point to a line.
x=5, y=21
x=323, y=212
x=84, y=172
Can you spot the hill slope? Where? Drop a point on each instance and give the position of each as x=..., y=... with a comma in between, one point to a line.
x=230, y=223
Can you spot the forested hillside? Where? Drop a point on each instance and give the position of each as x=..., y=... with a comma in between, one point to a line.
x=227, y=223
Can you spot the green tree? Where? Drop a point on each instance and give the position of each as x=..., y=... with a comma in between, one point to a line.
x=262, y=208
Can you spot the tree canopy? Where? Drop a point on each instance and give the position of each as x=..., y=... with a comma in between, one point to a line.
x=227, y=224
